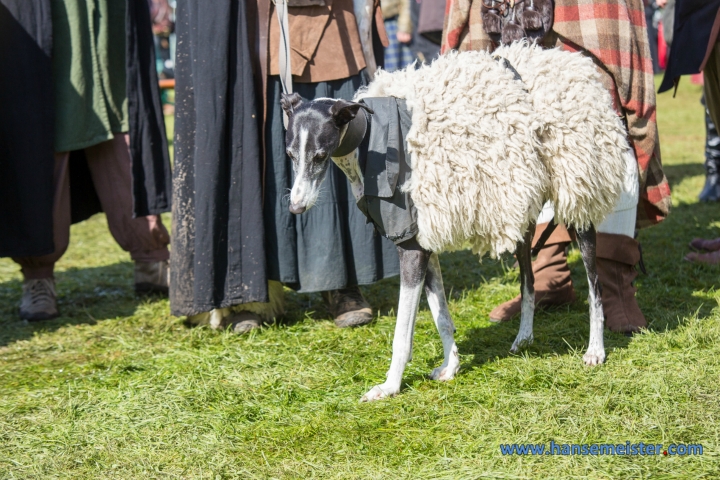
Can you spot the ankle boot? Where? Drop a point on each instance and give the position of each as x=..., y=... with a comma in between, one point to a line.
x=711, y=190
x=617, y=256
x=553, y=285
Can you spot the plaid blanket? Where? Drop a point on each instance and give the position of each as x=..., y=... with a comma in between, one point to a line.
x=613, y=33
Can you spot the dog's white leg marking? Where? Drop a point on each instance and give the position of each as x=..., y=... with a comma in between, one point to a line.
x=595, y=354
x=413, y=265
x=435, y=292
x=527, y=280
x=351, y=168
x=402, y=344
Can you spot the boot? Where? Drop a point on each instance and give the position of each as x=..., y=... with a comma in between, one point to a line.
x=348, y=307
x=152, y=277
x=617, y=256
x=245, y=317
x=225, y=318
x=242, y=322
x=705, y=245
x=553, y=285
x=39, y=301
x=711, y=190
x=711, y=258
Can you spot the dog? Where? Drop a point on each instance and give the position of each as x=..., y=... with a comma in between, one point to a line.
x=316, y=134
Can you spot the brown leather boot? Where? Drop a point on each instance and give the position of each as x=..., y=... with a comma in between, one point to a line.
x=553, y=285
x=617, y=256
x=348, y=307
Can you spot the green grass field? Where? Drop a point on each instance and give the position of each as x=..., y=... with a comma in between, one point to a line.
x=118, y=388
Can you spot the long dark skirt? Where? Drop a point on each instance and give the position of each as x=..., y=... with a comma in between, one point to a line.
x=330, y=246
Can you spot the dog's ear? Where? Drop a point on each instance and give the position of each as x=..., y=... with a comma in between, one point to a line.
x=290, y=102
x=343, y=111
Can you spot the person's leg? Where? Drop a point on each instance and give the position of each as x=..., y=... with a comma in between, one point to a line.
x=711, y=85
x=652, y=33
x=39, y=299
x=711, y=189
x=617, y=254
x=145, y=238
x=711, y=90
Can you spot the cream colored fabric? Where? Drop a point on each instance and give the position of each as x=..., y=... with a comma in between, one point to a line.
x=622, y=219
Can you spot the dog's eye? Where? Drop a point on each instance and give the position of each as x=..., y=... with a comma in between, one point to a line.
x=319, y=156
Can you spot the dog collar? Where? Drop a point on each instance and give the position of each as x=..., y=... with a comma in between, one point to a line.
x=354, y=134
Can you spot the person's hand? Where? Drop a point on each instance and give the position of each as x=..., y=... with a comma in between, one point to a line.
x=661, y=3
x=404, y=37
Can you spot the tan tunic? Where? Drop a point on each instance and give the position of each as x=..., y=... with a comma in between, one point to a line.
x=324, y=41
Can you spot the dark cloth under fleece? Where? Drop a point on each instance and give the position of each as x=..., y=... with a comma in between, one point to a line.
x=331, y=246
x=385, y=163
x=27, y=128
x=218, y=253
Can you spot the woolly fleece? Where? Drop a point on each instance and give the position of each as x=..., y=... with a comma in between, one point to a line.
x=477, y=178
x=488, y=150
x=583, y=140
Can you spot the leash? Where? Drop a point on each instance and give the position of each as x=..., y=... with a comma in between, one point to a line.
x=354, y=135
x=281, y=8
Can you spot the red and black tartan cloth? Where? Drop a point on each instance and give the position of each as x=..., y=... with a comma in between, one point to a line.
x=613, y=33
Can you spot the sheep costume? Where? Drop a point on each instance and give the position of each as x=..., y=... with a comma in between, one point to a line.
x=495, y=136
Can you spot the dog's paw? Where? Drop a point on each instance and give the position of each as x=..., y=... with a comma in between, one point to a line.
x=444, y=373
x=521, y=343
x=448, y=369
x=594, y=356
x=378, y=392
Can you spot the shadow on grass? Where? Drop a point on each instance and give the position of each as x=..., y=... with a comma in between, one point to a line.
x=677, y=173
x=85, y=296
x=671, y=291
x=461, y=272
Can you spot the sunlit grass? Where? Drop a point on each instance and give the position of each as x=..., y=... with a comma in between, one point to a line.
x=118, y=388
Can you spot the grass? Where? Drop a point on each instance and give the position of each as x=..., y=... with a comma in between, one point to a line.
x=118, y=388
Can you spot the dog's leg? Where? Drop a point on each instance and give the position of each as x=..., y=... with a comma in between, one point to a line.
x=435, y=292
x=595, y=354
x=413, y=265
x=527, y=289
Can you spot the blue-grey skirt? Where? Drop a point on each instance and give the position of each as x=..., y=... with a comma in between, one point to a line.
x=331, y=246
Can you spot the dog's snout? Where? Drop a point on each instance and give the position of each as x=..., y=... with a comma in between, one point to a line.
x=297, y=209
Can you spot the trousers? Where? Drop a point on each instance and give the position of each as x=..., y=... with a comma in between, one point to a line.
x=146, y=238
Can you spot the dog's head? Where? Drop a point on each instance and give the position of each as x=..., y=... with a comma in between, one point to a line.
x=314, y=132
